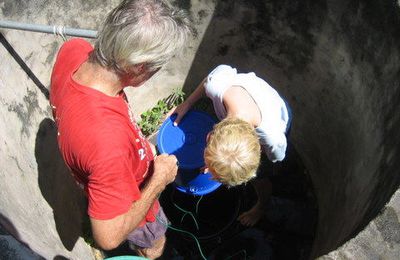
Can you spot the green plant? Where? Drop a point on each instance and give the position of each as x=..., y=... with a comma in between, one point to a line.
x=151, y=119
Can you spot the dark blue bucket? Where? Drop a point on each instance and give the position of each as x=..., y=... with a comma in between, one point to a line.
x=187, y=142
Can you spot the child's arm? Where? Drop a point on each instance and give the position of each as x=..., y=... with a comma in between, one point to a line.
x=183, y=108
x=278, y=151
x=274, y=144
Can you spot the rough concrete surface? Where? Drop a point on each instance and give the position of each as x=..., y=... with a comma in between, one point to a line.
x=336, y=62
x=379, y=240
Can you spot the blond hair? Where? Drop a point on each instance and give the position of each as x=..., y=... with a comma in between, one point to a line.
x=233, y=152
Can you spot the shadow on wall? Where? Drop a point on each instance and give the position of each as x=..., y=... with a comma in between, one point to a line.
x=380, y=20
x=271, y=38
x=58, y=186
x=278, y=40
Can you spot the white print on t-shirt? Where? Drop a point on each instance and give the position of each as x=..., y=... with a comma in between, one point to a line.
x=141, y=153
x=56, y=119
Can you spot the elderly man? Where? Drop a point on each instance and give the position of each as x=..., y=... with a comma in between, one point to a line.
x=97, y=134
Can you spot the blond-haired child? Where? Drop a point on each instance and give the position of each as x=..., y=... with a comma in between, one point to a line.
x=246, y=100
x=232, y=153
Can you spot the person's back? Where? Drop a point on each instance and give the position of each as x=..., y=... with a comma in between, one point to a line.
x=94, y=128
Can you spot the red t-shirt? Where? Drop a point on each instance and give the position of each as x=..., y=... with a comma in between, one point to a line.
x=98, y=138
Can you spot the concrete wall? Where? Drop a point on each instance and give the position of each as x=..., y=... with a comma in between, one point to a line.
x=336, y=62
x=39, y=202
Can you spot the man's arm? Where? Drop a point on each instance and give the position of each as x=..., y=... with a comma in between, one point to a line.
x=110, y=233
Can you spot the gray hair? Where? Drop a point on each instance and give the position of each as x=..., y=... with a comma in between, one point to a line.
x=140, y=32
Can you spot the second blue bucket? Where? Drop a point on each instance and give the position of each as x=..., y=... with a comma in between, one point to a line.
x=187, y=142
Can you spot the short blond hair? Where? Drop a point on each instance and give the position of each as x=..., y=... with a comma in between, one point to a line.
x=233, y=152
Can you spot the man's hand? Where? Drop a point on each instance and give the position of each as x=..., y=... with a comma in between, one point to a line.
x=165, y=170
x=110, y=233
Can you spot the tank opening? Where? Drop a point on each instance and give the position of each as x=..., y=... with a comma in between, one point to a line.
x=285, y=232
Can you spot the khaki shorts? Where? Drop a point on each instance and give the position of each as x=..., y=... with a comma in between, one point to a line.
x=152, y=231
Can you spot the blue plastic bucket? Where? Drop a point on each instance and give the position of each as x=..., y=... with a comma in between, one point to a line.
x=187, y=142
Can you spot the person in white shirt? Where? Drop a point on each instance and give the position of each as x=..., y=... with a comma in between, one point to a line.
x=254, y=102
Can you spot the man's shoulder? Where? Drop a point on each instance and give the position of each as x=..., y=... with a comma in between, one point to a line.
x=76, y=43
x=71, y=54
x=74, y=48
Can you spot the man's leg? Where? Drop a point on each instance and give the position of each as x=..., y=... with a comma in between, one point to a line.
x=149, y=241
x=155, y=251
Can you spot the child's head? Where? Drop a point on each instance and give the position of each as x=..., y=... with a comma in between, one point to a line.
x=233, y=152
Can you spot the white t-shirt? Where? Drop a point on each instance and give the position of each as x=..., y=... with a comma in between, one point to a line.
x=274, y=114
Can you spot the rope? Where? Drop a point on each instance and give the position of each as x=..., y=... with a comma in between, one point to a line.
x=59, y=30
